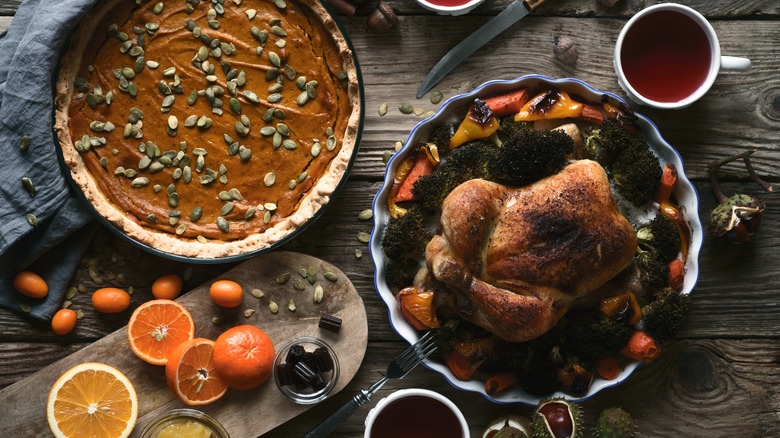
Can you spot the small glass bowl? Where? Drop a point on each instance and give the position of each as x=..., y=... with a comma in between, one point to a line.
x=307, y=395
x=154, y=427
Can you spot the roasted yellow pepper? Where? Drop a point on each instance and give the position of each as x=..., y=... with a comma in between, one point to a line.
x=479, y=123
x=551, y=104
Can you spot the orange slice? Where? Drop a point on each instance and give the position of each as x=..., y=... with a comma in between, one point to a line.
x=92, y=400
x=191, y=375
x=156, y=328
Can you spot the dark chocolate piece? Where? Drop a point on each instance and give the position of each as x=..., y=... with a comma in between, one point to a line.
x=324, y=361
x=330, y=322
x=295, y=354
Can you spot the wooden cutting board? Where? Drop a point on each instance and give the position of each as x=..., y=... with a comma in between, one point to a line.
x=243, y=413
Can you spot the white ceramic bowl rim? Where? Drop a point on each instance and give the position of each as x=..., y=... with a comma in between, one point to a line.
x=712, y=38
x=415, y=392
x=684, y=191
x=435, y=7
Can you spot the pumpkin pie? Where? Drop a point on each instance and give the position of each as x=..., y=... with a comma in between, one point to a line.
x=208, y=128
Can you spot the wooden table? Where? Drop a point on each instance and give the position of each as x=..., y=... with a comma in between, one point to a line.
x=719, y=378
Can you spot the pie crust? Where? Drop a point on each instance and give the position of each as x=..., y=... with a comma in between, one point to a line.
x=253, y=185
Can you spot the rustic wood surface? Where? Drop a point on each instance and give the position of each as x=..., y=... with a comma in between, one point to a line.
x=719, y=378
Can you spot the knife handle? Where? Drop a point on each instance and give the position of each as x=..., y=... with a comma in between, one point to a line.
x=532, y=4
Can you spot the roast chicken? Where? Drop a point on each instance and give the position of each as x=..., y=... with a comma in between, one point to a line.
x=515, y=259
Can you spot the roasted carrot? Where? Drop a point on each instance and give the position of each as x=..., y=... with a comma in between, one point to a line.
x=608, y=368
x=676, y=274
x=509, y=103
x=500, y=383
x=592, y=114
x=665, y=188
x=641, y=347
x=459, y=365
x=422, y=166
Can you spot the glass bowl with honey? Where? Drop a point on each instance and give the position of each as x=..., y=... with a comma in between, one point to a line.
x=184, y=423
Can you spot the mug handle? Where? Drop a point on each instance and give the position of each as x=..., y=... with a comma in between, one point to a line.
x=733, y=63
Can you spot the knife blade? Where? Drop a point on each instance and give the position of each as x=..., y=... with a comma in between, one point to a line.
x=514, y=12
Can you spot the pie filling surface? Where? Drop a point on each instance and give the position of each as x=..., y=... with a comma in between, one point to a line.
x=207, y=128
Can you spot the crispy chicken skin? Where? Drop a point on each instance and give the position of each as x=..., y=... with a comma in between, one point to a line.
x=516, y=258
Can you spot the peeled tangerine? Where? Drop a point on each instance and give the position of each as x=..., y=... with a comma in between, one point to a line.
x=478, y=123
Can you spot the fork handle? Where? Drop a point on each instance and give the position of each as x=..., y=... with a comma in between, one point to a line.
x=326, y=427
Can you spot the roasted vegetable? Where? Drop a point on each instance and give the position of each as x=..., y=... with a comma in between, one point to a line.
x=509, y=103
x=460, y=165
x=478, y=123
x=665, y=315
x=600, y=337
x=641, y=347
x=404, y=245
x=441, y=135
x=636, y=174
x=653, y=273
x=622, y=308
x=509, y=127
x=550, y=104
x=661, y=238
x=529, y=156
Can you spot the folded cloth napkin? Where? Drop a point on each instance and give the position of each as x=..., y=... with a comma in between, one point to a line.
x=29, y=55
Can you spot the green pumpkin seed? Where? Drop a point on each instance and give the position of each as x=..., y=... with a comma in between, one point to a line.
x=235, y=106
x=289, y=144
x=136, y=51
x=299, y=285
x=269, y=179
x=252, y=97
x=315, y=150
x=125, y=46
x=132, y=89
x=241, y=78
x=363, y=237
x=151, y=28
x=301, y=82
x=436, y=97
x=302, y=98
x=24, y=143
x=311, y=275
x=141, y=181
x=32, y=220
x=190, y=121
x=166, y=161
x=241, y=129
x=365, y=215
x=292, y=184
x=245, y=154
x=270, y=206
x=275, y=88
x=158, y=8
x=173, y=122
x=406, y=108
x=130, y=173
x=302, y=177
x=168, y=101
x=227, y=208
x=330, y=143
x=274, y=58
x=28, y=186
x=223, y=179
x=271, y=74
x=156, y=167
x=283, y=129
x=267, y=130
x=311, y=91
x=275, y=97
x=233, y=149
x=282, y=279
x=383, y=109
x=203, y=53
x=278, y=31
x=358, y=253
x=223, y=224
x=280, y=4
x=330, y=276
x=181, y=229
x=276, y=142
x=267, y=217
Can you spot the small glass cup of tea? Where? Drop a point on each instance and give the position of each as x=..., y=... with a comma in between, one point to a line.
x=667, y=56
x=416, y=412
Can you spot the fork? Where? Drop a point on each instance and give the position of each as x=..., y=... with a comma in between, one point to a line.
x=397, y=369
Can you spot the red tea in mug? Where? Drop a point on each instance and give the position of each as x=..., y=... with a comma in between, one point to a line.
x=416, y=416
x=666, y=56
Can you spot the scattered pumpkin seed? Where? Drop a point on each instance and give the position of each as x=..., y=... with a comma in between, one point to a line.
x=25, y=308
x=363, y=237
x=302, y=177
x=173, y=122
x=28, y=186
x=267, y=217
x=311, y=275
x=249, y=312
x=181, y=229
x=227, y=208
x=275, y=97
x=436, y=97
x=298, y=284
x=141, y=181
x=291, y=306
x=292, y=184
x=386, y=156
x=32, y=220
x=358, y=253
x=24, y=143
x=245, y=154
x=267, y=130
x=201, y=239
x=406, y=108
x=383, y=109
x=222, y=224
x=315, y=150
x=289, y=144
x=302, y=98
x=195, y=214
x=269, y=179
x=254, y=98
x=278, y=31
x=275, y=59
x=251, y=13
x=365, y=215
x=330, y=276
x=235, y=106
x=273, y=307
x=282, y=279
x=217, y=319
x=330, y=143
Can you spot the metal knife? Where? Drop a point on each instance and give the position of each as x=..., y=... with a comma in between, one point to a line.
x=487, y=32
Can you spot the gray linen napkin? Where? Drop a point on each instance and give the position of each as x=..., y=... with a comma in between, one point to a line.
x=29, y=54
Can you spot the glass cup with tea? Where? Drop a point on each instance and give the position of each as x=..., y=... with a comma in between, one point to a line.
x=668, y=56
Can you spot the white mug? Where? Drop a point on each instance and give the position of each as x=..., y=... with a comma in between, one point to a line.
x=403, y=393
x=641, y=44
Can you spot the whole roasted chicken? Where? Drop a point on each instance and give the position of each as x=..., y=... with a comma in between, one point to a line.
x=514, y=259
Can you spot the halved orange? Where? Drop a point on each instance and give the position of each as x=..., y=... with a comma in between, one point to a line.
x=156, y=328
x=191, y=375
x=92, y=400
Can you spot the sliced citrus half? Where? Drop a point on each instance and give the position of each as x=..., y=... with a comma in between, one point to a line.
x=191, y=375
x=156, y=328
x=92, y=400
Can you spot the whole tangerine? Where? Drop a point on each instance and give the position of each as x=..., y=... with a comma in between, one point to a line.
x=244, y=357
x=226, y=293
x=167, y=287
x=31, y=284
x=63, y=321
x=110, y=300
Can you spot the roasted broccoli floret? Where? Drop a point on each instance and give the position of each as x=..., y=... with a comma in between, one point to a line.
x=441, y=136
x=529, y=156
x=632, y=166
x=653, y=273
x=462, y=164
x=636, y=174
x=666, y=314
x=452, y=331
x=509, y=127
x=400, y=273
x=661, y=237
x=600, y=337
x=406, y=235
